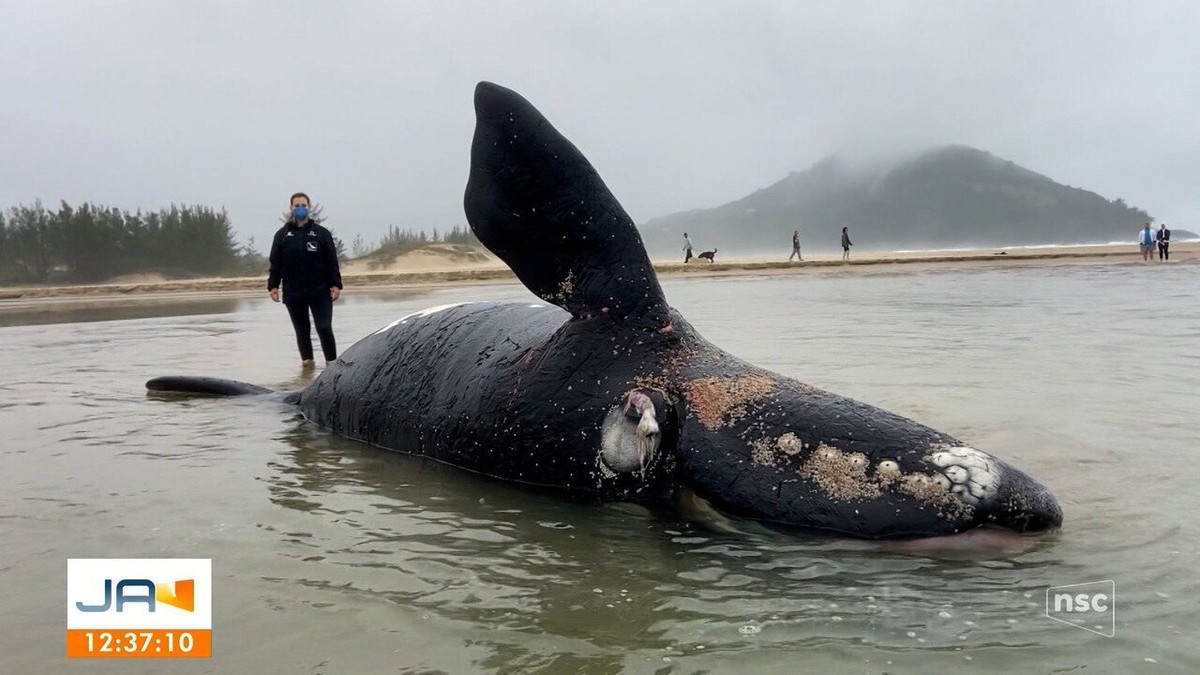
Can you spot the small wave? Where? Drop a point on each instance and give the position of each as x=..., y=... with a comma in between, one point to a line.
x=1028, y=247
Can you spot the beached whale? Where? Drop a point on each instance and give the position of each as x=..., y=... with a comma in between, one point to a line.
x=608, y=393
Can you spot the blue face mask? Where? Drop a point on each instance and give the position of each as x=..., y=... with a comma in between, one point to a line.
x=301, y=212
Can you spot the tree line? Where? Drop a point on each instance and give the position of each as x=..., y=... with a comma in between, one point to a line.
x=398, y=241
x=90, y=243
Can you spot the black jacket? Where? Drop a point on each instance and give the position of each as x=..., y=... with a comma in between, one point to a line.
x=305, y=260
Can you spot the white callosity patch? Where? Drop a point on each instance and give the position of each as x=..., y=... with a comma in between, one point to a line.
x=423, y=313
x=888, y=468
x=963, y=478
x=972, y=475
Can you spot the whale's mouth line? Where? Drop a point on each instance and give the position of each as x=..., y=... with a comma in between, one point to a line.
x=982, y=538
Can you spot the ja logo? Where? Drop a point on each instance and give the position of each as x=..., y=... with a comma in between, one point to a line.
x=1091, y=606
x=181, y=595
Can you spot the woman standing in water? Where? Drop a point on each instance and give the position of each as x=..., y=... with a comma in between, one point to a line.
x=846, y=243
x=304, y=259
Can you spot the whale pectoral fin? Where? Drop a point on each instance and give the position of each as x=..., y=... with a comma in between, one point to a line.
x=535, y=201
x=212, y=386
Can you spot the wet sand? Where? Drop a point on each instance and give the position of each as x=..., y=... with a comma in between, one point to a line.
x=189, y=290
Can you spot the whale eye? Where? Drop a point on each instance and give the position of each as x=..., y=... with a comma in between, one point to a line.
x=630, y=434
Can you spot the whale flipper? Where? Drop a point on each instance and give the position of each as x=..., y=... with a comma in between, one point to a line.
x=536, y=202
x=213, y=386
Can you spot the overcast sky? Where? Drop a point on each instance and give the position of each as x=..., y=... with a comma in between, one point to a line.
x=679, y=105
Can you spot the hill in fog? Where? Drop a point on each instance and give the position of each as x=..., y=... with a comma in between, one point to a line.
x=951, y=197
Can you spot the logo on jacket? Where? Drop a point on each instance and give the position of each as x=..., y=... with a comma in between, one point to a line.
x=289, y=234
x=312, y=247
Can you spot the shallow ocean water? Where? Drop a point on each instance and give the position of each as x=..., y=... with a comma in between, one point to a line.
x=330, y=556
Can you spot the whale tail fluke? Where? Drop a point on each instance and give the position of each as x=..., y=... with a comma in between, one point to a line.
x=212, y=386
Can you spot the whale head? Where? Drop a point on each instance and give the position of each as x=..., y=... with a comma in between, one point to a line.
x=762, y=446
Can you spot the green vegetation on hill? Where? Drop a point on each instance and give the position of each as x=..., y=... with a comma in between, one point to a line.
x=948, y=198
x=91, y=243
x=458, y=243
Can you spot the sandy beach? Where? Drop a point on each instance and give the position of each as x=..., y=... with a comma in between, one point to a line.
x=423, y=270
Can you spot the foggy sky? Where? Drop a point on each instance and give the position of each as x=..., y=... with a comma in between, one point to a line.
x=368, y=105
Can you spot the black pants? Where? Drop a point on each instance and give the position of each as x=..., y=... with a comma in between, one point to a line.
x=322, y=314
x=1163, y=250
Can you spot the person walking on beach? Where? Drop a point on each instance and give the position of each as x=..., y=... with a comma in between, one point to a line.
x=687, y=247
x=304, y=259
x=846, y=243
x=1146, y=239
x=1164, y=242
x=796, y=247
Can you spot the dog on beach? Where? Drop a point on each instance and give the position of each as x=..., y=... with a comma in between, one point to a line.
x=707, y=255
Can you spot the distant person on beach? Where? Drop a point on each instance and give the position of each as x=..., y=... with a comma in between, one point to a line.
x=1164, y=242
x=846, y=244
x=796, y=247
x=1146, y=239
x=304, y=260
x=687, y=247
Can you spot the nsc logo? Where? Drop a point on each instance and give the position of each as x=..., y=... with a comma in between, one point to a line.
x=1091, y=606
x=156, y=607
